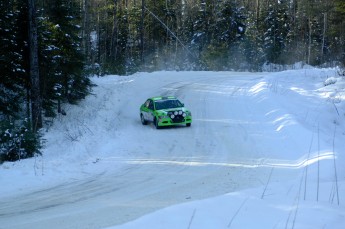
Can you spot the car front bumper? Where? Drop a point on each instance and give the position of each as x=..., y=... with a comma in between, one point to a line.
x=166, y=121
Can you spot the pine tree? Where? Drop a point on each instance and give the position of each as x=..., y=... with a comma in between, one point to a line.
x=276, y=28
x=224, y=36
x=252, y=46
x=63, y=58
x=337, y=32
x=18, y=140
x=13, y=71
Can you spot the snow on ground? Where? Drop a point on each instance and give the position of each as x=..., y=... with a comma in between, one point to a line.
x=265, y=150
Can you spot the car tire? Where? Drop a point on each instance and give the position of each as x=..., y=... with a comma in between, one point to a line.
x=143, y=121
x=155, y=121
x=188, y=124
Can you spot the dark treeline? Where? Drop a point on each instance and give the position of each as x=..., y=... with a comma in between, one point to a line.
x=132, y=35
x=42, y=66
x=48, y=48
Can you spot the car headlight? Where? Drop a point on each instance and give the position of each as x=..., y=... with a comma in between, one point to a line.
x=172, y=116
x=184, y=115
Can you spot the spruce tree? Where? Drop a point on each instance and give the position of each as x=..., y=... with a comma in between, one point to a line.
x=17, y=140
x=13, y=73
x=65, y=80
x=276, y=28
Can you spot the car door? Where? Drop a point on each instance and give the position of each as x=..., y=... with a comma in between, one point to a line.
x=147, y=110
x=150, y=111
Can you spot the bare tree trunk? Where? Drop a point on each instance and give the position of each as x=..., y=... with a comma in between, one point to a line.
x=309, y=39
x=257, y=13
x=323, y=35
x=142, y=31
x=98, y=41
x=86, y=31
x=113, y=50
x=36, y=104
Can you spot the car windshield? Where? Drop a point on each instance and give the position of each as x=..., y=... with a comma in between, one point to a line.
x=167, y=104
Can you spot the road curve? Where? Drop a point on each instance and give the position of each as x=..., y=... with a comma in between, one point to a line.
x=171, y=166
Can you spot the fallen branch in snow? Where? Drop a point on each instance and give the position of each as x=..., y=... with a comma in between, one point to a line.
x=74, y=134
x=335, y=166
x=238, y=210
x=191, y=219
x=296, y=208
x=336, y=108
x=37, y=167
x=306, y=168
x=297, y=204
x=72, y=137
x=318, y=162
x=268, y=181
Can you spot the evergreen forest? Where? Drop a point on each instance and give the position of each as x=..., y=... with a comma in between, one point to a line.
x=50, y=48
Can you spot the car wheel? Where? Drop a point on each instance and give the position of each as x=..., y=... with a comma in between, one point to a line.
x=188, y=124
x=143, y=121
x=155, y=121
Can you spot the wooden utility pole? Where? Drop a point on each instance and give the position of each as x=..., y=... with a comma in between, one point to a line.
x=36, y=104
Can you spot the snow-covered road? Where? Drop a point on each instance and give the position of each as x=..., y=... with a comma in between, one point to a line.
x=101, y=167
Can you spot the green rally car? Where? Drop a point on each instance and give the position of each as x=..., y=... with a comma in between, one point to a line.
x=165, y=111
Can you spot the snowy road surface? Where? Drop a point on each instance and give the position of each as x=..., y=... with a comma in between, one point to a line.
x=101, y=167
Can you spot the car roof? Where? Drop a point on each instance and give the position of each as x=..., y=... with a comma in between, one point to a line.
x=156, y=98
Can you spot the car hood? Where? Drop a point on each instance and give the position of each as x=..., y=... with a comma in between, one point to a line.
x=166, y=111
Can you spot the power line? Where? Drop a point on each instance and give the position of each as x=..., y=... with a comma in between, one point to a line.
x=169, y=30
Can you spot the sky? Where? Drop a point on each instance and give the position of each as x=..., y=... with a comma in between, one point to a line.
x=265, y=150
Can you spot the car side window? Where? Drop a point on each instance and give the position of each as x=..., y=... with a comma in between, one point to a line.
x=147, y=103
x=151, y=105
